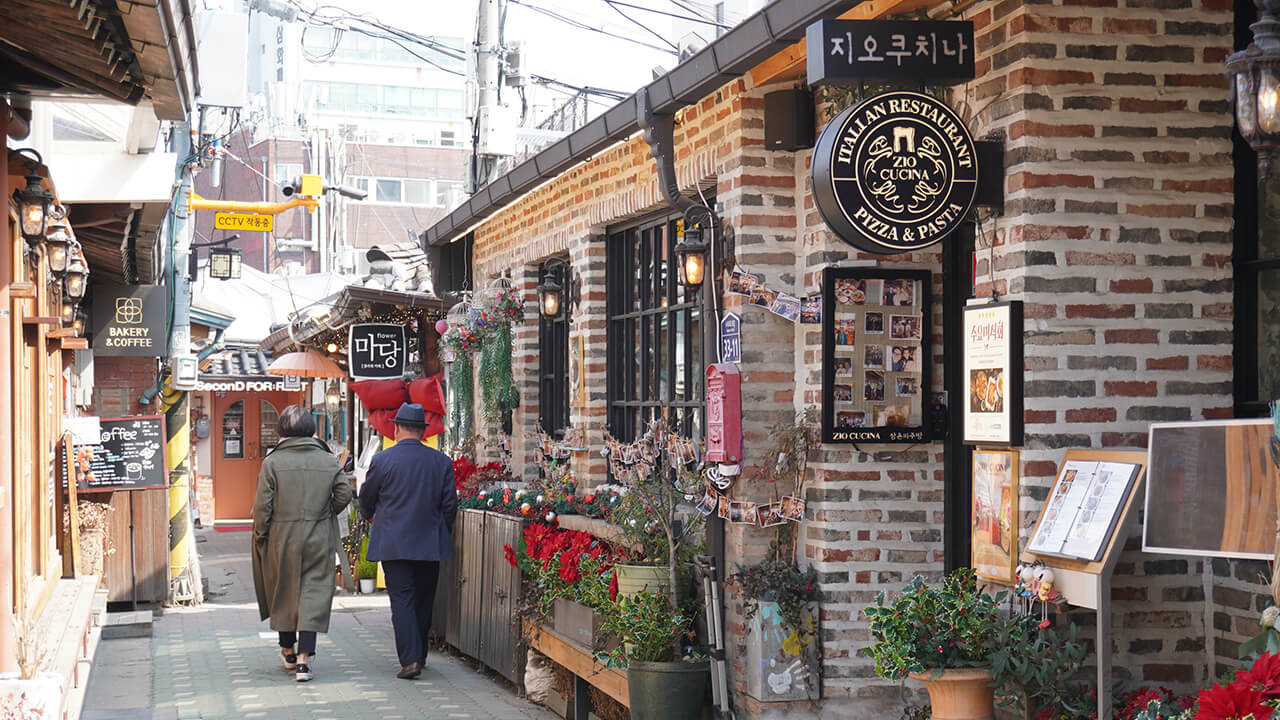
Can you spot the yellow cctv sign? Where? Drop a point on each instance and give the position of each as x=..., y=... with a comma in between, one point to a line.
x=243, y=221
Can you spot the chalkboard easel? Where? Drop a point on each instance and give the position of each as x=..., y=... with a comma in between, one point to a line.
x=132, y=455
x=1088, y=584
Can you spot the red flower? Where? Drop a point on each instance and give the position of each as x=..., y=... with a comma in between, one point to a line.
x=613, y=587
x=1233, y=702
x=1045, y=623
x=510, y=554
x=1263, y=677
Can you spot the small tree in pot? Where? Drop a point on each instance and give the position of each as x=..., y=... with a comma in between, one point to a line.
x=665, y=680
x=943, y=636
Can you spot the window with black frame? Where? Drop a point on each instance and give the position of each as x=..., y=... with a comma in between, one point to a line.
x=553, y=356
x=655, y=353
x=1256, y=262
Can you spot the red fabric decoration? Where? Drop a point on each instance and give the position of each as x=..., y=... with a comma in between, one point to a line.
x=381, y=394
x=381, y=421
x=429, y=393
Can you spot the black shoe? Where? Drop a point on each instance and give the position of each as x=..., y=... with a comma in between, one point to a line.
x=303, y=673
x=289, y=658
x=410, y=671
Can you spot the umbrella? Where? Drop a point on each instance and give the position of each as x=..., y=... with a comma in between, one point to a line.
x=305, y=364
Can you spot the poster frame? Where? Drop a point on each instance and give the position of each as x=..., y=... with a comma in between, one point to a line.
x=876, y=434
x=1014, y=529
x=1148, y=508
x=1014, y=376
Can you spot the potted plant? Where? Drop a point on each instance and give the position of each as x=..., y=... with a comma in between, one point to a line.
x=665, y=679
x=782, y=629
x=366, y=570
x=29, y=693
x=1039, y=672
x=944, y=637
x=95, y=538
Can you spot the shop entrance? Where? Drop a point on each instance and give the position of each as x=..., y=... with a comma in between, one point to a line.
x=244, y=431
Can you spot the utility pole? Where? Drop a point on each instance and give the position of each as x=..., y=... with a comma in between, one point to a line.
x=487, y=53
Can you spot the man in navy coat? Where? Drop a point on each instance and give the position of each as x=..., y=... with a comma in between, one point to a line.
x=409, y=496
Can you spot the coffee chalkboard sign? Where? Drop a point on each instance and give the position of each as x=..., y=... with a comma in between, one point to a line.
x=130, y=456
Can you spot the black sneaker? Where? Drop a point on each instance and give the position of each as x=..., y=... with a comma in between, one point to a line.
x=303, y=673
x=289, y=659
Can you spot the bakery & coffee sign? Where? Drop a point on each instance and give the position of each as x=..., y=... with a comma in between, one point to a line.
x=895, y=173
x=130, y=320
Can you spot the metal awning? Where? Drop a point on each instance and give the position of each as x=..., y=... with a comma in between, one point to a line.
x=316, y=326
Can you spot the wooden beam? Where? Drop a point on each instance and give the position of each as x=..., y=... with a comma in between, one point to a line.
x=580, y=662
x=789, y=63
x=75, y=343
x=62, y=332
x=41, y=320
x=22, y=290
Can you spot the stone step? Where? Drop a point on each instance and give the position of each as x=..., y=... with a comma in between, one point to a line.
x=130, y=624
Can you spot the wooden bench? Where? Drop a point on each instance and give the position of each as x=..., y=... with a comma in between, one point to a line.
x=587, y=671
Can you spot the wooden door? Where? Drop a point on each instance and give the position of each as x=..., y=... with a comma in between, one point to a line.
x=244, y=431
x=499, y=648
x=471, y=577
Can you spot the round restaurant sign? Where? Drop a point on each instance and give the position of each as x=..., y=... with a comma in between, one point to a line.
x=896, y=173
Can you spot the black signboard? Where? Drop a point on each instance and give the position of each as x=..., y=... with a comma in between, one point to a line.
x=933, y=51
x=896, y=173
x=131, y=456
x=876, y=367
x=130, y=320
x=376, y=351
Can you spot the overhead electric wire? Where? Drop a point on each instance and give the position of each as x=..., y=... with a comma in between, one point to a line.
x=697, y=17
x=583, y=26
x=641, y=25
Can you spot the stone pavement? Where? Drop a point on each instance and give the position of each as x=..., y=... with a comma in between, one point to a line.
x=219, y=661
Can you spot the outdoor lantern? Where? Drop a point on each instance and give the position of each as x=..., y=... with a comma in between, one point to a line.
x=77, y=277
x=550, y=297
x=224, y=263
x=691, y=253
x=58, y=243
x=332, y=399
x=78, y=323
x=33, y=206
x=1255, y=85
x=331, y=348
x=68, y=313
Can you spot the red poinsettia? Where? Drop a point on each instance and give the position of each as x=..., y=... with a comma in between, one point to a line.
x=1263, y=677
x=510, y=553
x=463, y=469
x=1236, y=701
x=613, y=587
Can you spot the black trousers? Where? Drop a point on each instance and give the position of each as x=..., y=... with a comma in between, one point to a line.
x=306, y=641
x=412, y=587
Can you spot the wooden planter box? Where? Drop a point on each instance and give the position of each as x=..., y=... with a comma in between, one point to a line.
x=580, y=625
x=579, y=661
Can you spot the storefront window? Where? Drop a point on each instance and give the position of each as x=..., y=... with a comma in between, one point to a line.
x=655, y=335
x=553, y=357
x=233, y=431
x=268, y=421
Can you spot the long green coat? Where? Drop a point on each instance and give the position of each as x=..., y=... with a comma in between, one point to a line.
x=301, y=490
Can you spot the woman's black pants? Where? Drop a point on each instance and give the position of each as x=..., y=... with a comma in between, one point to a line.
x=306, y=641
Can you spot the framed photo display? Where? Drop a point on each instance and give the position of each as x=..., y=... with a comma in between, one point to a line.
x=992, y=402
x=875, y=355
x=994, y=546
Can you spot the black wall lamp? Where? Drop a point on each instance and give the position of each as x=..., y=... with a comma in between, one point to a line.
x=699, y=244
x=1255, y=85
x=73, y=285
x=33, y=200
x=551, y=296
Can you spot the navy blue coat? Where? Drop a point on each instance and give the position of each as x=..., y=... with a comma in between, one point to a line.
x=409, y=494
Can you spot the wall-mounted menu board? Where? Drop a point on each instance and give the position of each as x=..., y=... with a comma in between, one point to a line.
x=130, y=456
x=1083, y=508
x=875, y=355
x=1211, y=489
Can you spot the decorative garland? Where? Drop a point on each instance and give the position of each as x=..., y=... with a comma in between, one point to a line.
x=463, y=397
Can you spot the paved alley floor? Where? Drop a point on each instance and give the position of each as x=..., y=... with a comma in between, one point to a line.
x=219, y=661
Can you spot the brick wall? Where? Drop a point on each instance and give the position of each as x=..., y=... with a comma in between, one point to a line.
x=1117, y=237
x=118, y=385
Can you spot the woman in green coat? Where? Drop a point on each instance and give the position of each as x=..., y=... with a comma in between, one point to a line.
x=301, y=491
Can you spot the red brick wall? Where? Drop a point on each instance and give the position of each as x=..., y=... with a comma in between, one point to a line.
x=122, y=377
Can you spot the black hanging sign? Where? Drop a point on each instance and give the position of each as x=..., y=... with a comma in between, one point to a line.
x=930, y=51
x=130, y=456
x=130, y=320
x=896, y=173
x=376, y=351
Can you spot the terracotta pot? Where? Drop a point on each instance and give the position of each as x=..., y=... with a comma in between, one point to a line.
x=959, y=694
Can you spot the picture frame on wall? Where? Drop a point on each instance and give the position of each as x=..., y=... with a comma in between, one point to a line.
x=994, y=515
x=992, y=401
x=876, y=331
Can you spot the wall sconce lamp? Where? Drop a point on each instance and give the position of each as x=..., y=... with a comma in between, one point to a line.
x=59, y=247
x=1255, y=85
x=694, y=243
x=551, y=296
x=33, y=201
x=224, y=263
x=73, y=285
x=332, y=399
x=79, y=323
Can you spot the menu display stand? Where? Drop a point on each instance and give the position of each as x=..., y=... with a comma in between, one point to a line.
x=1087, y=584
